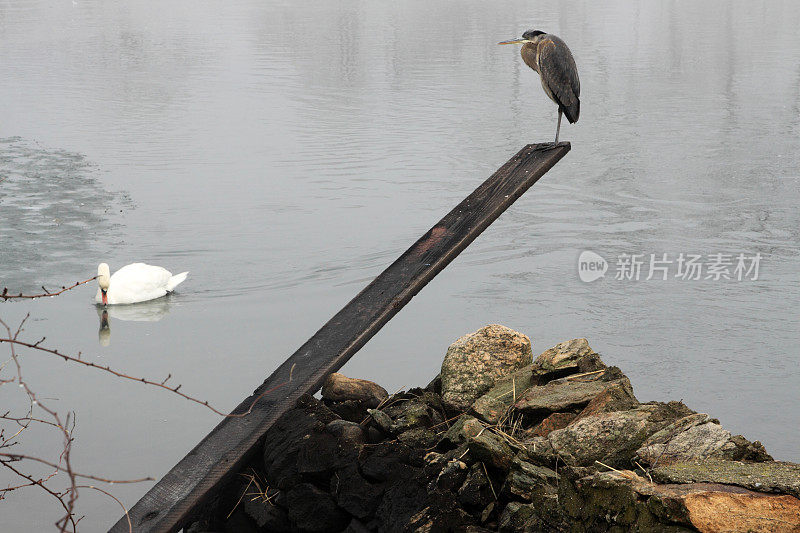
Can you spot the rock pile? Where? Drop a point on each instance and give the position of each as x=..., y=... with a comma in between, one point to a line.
x=501, y=442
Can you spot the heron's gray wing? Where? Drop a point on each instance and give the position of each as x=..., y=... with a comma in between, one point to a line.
x=560, y=75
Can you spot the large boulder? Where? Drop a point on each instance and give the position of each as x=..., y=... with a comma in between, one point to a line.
x=698, y=437
x=476, y=361
x=613, y=438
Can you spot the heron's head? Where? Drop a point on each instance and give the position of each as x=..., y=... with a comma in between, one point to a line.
x=103, y=276
x=530, y=36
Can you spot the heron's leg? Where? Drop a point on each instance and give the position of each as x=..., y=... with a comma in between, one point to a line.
x=558, y=128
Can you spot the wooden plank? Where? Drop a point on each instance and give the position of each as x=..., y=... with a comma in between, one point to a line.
x=169, y=504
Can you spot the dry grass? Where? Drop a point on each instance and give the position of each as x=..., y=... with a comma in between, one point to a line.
x=256, y=489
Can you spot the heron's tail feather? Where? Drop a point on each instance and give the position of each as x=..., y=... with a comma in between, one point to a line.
x=573, y=111
x=176, y=280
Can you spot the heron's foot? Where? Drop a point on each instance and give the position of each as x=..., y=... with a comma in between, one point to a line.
x=548, y=146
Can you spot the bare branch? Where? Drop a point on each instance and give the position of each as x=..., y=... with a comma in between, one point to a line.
x=6, y=296
x=124, y=509
x=65, y=425
x=106, y=368
x=68, y=518
x=20, y=457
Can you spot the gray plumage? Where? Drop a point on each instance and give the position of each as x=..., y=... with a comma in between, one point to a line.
x=551, y=58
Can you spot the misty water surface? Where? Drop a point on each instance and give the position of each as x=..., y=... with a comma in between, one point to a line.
x=286, y=152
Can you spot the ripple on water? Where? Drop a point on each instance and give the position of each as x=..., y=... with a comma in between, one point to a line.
x=56, y=218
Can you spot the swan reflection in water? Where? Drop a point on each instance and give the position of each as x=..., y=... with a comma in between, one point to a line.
x=151, y=311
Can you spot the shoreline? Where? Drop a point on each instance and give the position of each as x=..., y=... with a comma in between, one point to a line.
x=503, y=441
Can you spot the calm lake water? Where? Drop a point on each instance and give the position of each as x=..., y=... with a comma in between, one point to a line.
x=286, y=152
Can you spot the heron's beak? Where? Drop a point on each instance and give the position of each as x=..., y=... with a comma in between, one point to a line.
x=515, y=41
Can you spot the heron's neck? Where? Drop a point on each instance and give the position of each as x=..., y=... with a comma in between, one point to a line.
x=529, y=56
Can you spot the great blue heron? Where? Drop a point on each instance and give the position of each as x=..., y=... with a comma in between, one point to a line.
x=550, y=57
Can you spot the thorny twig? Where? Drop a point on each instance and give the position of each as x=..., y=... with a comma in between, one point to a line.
x=68, y=497
x=6, y=296
x=10, y=457
x=124, y=509
x=68, y=520
x=107, y=368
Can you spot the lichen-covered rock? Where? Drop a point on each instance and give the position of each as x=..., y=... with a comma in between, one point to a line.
x=383, y=420
x=623, y=499
x=771, y=476
x=617, y=397
x=613, y=438
x=476, y=491
x=493, y=405
x=698, y=437
x=474, y=362
x=525, y=480
x=409, y=414
x=338, y=388
x=451, y=474
x=491, y=449
x=420, y=438
x=552, y=423
x=520, y=518
x=539, y=450
x=533, y=460
x=464, y=428
x=570, y=356
x=564, y=395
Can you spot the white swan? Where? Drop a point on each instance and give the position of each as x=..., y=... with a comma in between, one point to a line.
x=134, y=283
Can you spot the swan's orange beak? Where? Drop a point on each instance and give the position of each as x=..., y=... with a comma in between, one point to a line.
x=104, y=296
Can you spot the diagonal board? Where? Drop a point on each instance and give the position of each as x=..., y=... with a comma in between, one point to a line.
x=169, y=504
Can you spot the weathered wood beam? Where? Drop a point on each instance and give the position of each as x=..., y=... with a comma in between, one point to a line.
x=170, y=503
